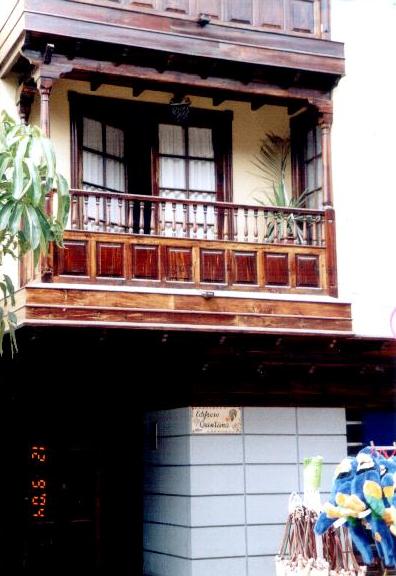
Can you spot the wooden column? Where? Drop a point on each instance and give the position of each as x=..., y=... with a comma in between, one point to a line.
x=325, y=122
x=44, y=86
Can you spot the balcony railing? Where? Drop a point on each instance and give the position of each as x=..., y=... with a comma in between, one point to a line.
x=155, y=241
x=99, y=211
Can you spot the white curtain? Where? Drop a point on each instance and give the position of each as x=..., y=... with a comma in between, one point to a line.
x=93, y=169
x=201, y=176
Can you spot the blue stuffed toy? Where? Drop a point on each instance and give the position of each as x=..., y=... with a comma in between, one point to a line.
x=360, y=536
x=367, y=491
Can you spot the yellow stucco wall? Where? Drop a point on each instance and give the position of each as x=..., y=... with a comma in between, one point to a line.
x=248, y=129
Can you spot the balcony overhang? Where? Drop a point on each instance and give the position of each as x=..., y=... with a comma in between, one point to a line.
x=84, y=32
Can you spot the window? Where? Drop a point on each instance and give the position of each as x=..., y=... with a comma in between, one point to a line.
x=187, y=171
x=103, y=159
x=137, y=148
x=306, y=141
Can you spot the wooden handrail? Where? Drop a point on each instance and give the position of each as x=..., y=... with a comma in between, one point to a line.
x=231, y=205
x=103, y=211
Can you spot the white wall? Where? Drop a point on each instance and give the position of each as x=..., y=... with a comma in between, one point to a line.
x=364, y=161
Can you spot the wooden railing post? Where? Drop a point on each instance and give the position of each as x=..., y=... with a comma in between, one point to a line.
x=325, y=122
x=331, y=254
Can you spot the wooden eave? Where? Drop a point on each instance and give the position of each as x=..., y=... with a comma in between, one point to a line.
x=176, y=368
x=120, y=34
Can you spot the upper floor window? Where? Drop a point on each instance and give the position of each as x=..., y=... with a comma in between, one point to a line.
x=103, y=157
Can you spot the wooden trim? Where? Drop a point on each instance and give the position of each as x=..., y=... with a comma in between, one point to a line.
x=71, y=306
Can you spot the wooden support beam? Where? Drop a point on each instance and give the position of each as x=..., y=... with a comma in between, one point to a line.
x=169, y=80
x=95, y=84
x=217, y=100
x=137, y=89
x=257, y=103
x=47, y=56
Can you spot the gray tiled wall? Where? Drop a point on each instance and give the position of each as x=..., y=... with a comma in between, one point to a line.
x=216, y=504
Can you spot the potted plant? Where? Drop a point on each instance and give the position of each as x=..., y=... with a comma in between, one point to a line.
x=272, y=161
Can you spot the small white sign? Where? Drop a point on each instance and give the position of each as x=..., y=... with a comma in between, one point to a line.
x=216, y=420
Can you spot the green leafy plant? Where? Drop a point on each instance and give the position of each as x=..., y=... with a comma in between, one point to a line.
x=272, y=161
x=27, y=176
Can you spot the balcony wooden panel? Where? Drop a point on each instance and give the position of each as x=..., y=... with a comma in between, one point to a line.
x=145, y=262
x=73, y=260
x=62, y=305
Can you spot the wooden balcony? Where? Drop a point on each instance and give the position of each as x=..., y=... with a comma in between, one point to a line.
x=165, y=263
x=128, y=239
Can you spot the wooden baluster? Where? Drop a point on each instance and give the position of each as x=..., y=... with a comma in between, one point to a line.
x=215, y=225
x=205, y=224
x=246, y=227
x=152, y=219
x=195, y=226
x=295, y=230
x=305, y=230
x=74, y=212
x=108, y=213
x=173, y=218
x=276, y=229
x=85, y=201
x=185, y=230
x=255, y=225
x=120, y=224
x=323, y=231
x=265, y=226
x=235, y=212
x=97, y=212
x=284, y=225
x=130, y=216
x=226, y=218
x=314, y=232
x=141, y=218
x=163, y=208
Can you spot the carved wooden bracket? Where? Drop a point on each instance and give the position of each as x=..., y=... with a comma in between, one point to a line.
x=325, y=110
x=24, y=100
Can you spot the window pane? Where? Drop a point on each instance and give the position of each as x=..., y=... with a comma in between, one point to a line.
x=172, y=173
x=114, y=141
x=171, y=139
x=92, y=168
x=319, y=172
x=310, y=176
x=202, y=175
x=115, y=175
x=318, y=140
x=92, y=134
x=200, y=142
x=310, y=145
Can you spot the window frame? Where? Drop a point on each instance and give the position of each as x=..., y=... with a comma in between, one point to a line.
x=300, y=127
